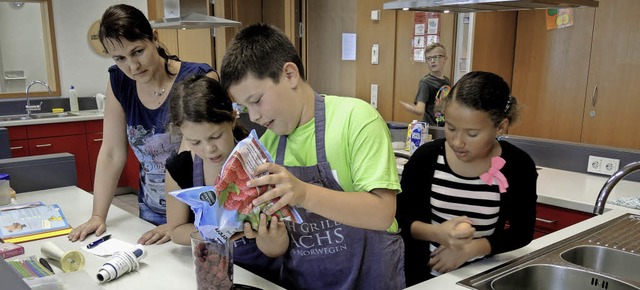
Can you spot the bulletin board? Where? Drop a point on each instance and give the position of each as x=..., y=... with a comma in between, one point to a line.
x=426, y=30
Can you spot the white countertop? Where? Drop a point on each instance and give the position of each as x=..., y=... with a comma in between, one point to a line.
x=166, y=266
x=86, y=115
x=559, y=188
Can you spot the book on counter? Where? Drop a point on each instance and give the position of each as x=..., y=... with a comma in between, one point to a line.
x=31, y=221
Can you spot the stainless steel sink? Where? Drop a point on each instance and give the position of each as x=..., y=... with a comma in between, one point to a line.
x=36, y=116
x=547, y=277
x=605, y=260
x=603, y=257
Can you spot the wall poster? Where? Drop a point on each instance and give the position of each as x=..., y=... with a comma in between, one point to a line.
x=559, y=18
x=426, y=30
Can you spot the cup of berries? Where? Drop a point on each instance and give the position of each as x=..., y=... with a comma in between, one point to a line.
x=213, y=262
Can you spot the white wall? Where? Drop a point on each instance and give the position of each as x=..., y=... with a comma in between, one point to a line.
x=78, y=64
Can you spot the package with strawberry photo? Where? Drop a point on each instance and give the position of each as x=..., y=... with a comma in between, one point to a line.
x=221, y=210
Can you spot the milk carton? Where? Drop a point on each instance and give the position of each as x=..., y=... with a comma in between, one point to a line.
x=417, y=134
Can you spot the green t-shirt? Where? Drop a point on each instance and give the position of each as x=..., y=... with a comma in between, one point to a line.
x=357, y=144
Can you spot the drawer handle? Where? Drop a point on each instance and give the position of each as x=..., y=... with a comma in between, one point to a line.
x=545, y=221
x=17, y=147
x=97, y=140
x=42, y=145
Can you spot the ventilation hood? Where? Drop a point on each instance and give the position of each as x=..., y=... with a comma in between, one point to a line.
x=463, y=6
x=189, y=14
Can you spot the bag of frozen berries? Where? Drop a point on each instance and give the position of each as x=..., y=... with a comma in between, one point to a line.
x=222, y=209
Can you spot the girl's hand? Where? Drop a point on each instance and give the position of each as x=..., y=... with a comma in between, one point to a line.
x=445, y=259
x=272, y=239
x=159, y=235
x=455, y=232
x=288, y=188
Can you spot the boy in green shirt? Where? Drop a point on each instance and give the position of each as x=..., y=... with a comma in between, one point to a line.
x=333, y=161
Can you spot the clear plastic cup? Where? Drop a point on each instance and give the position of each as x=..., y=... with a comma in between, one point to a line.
x=213, y=263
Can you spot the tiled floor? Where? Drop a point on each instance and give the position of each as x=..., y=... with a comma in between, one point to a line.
x=127, y=202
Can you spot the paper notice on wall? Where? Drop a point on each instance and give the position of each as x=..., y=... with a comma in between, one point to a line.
x=348, y=46
x=559, y=18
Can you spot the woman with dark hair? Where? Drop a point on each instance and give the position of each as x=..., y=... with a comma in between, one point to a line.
x=459, y=192
x=136, y=111
x=202, y=112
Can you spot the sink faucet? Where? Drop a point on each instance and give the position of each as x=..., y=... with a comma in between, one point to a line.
x=30, y=107
x=613, y=180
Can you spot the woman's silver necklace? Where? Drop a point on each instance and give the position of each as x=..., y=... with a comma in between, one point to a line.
x=159, y=94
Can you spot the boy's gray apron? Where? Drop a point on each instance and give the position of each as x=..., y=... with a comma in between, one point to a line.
x=245, y=251
x=324, y=254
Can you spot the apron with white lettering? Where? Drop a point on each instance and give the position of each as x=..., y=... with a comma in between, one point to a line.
x=245, y=251
x=324, y=254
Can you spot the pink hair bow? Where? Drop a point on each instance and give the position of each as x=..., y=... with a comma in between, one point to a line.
x=494, y=173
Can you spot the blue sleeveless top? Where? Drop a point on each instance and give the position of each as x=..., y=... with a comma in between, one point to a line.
x=146, y=132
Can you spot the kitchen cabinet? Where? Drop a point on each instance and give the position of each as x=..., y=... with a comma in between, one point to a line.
x=54, y=138
x=18, y=141
x=552, y=218
x=130, y=173
x=579, y=83
x=82, y=139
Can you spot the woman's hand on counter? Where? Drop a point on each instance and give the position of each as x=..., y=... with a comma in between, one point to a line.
x=94, y=224
x=159, y=235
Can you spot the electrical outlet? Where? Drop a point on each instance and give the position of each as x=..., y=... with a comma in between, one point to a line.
x=594, y=164
x=374, y=95
x=602, y=165
x=609, y=166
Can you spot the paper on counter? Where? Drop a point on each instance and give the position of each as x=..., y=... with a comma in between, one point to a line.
x=109, y=247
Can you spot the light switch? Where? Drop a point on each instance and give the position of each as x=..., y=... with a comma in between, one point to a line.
x=375, y=15
x=374, y=54
x=374, y=95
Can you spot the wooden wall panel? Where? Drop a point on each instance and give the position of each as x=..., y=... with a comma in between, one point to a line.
x=326, y=71
x=550, y=75
x=383, y=33
x=494, y=43
x=169, y=37
x=249, y=11
x=615, y=70
x=273, y=13
x=196, y=45
x=407, y=72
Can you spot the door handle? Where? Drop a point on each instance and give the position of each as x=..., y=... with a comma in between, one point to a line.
x=97, y=140
x=16, y=147
x=594, y=96
x=42, y=145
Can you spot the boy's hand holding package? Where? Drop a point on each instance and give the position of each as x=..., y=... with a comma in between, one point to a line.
x=271, y=237
x=287, y=189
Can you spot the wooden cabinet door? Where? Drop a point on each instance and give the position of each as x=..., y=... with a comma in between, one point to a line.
x=550, y=75
x=73, y=144
x=614, y=77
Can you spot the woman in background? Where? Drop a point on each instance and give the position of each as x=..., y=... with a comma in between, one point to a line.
x=136, y=112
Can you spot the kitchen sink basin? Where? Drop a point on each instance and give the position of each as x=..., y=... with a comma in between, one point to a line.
x=605, y=260
x=546, y=277
x=36, y=116
x=603, y=257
